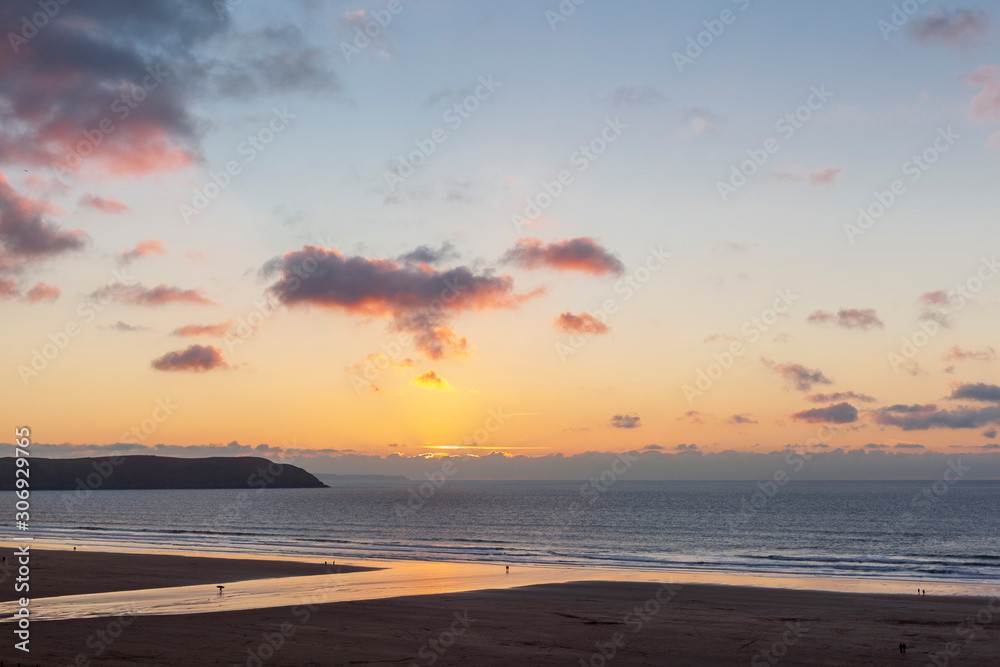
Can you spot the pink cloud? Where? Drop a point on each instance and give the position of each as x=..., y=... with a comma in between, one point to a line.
x=986, y=104
x=216, y=330
x=143, y=249
x=8, y=288
x=43, y=292
x=825, y=177
x=106, y=204
x=139, y=295
x=797, y=174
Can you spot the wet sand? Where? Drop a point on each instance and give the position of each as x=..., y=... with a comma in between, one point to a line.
x=596, y=622
x=642, y=624
x=57, y=572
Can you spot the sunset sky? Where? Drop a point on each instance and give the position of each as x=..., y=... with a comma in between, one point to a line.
x=498, y=228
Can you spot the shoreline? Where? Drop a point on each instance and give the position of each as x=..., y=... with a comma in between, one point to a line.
x=261, y=567
x=291, y=564
x=167, y=584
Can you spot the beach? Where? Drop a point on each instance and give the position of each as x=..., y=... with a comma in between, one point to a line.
x=57, y=572
x=596, y=622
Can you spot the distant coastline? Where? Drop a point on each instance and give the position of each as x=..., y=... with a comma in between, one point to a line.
x=119, y=473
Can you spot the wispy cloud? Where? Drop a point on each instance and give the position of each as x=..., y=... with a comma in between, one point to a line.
x=848, y=318
x=139, y=295
x=797, y=375
x=956, y=27
x=142, y=249
x=106, y=204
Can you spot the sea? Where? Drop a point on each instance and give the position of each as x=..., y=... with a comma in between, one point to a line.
x=921, y=531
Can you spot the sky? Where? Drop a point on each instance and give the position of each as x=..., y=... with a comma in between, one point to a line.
x=377, y=232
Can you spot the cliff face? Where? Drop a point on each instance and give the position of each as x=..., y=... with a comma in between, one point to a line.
x=158, y=472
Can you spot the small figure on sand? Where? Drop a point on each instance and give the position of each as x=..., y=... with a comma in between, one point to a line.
x=902, y=647
x=220, y=589
x=508, y=569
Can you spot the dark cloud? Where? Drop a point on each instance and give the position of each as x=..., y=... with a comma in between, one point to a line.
x=579, y=254
x=797, y=375
x=933, y=307
x=25, y=234
x=427, y=255
x=584, y=323
x=924, y=417
x=938, y=316
x=840, y=396
x=701, y=120
x=872, y=445
x=955, y=27
x=683, y=448
x=420, y=301
x=273, y=61
x=197, y=358
x=990, y=433
x=909, y=409
x=656, y=448
x=635, y=96
x=978, y=391
x=838, y=413
x=139, y=295
x=742, y=419
x=848, y=318
x=87, y=67
x=907, y=445
x=696, y=417
x=140, y=67
x=626, y=421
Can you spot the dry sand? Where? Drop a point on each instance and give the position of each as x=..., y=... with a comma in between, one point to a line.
x=552, y=624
